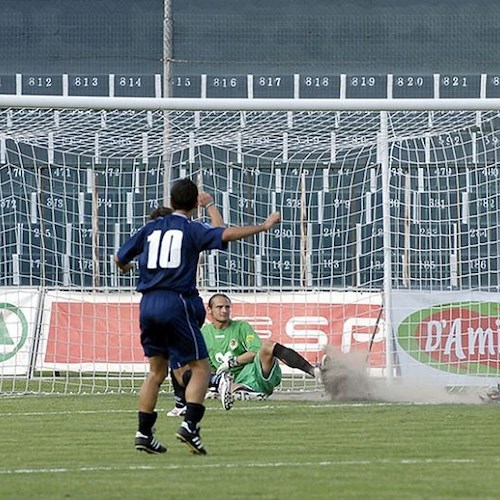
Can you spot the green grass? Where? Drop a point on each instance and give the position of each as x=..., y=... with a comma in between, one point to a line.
x=80, y=447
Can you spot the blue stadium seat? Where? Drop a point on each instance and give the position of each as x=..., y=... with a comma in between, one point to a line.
x=82, y=241
x=63, y=178
x=229, y=268
x=439, y=206
x=81, y=271
x=281, y=269
x=226, y=86
x=275, y=86
x=285, y=236
x=480, y=240
x=431, y=236
x=40, y=269
x=332, y=269
x=430, y=268
x=112, y=206
x=371, y=270
x=118, y=175
x=185, y=86
x=479, y=272
x=329, y=235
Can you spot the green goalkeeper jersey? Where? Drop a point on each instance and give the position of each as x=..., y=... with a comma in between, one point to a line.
x=238, y=338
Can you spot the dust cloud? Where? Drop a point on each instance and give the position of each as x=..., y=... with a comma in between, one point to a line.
x=346, y=378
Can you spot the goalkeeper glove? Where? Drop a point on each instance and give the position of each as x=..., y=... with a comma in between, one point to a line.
x=230, y=362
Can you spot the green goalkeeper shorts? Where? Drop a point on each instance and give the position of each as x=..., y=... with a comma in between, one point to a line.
x=252, y=378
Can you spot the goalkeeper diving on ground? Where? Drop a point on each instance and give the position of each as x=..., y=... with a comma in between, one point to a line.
x=240, y=362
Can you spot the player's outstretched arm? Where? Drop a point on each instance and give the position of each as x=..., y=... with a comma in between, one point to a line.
x=240, y=232
x=206, y=200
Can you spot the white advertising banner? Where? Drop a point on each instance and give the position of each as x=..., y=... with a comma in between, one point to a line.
x=450, y=336
x=18, y=315
x=100, y=332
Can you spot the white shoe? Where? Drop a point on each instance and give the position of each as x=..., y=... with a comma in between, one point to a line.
x=225, y=390
x=318, y=375
x=320, y=369
x=212, y=394
x=177, y=412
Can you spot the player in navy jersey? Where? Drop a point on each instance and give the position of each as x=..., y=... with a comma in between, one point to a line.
x=206, y=201
x=167, y=250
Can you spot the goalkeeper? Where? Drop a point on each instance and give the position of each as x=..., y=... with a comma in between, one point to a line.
x=235, y=348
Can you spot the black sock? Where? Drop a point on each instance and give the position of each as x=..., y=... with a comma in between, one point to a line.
x=293, y=359
x=179, y=392
x=194, y=413
x=146, y=422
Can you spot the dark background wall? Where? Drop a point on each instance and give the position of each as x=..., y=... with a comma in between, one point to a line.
x=409, y=36
x=242, y=36
x=81, y=36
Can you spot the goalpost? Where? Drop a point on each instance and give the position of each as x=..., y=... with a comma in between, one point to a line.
x=388, y=244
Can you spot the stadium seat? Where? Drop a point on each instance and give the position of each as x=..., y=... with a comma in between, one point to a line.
x=281, y=269
x=333, y=268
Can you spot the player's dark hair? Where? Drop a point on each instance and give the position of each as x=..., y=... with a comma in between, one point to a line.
x=211, y=299
x=184, y=195
x=160, y=212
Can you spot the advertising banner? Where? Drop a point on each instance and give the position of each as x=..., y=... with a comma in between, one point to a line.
x=101, y=331
x=18, y=314
x=450, y=336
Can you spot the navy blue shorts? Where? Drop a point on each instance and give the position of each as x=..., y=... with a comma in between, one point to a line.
x=170, y=326
x=199, y=309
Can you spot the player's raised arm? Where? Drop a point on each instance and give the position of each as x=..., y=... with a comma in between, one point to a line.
x=206, y=200
x=240, y=232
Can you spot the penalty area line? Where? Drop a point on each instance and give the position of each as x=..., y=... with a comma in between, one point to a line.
x=256, y=465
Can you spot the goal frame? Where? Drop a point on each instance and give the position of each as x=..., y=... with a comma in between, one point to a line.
x=246, y=104
x=381, y=106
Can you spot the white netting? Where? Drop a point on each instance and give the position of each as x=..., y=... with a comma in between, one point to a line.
x=75, y=183
x=142, y=134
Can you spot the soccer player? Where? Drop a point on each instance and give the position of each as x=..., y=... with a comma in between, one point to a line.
x=234, y=347
x=168, y=250
x=206, y=201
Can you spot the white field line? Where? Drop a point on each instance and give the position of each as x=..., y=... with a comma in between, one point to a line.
x=243, y=466
x=210, y=409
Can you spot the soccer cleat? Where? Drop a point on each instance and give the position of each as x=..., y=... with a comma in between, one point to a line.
x=149, y=444
x=320, y=369
x=317, y=374
x=212, y=394
x=177, y=412
x=246, y=395
x=494, y=394
x=191, y=438
x=225, y=390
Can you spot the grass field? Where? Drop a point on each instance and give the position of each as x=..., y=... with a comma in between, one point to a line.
x=81, y=447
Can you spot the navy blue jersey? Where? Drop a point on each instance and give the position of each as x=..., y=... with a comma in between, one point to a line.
x=168, y=250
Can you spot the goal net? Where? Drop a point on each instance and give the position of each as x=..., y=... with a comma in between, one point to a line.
x=388, y=245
